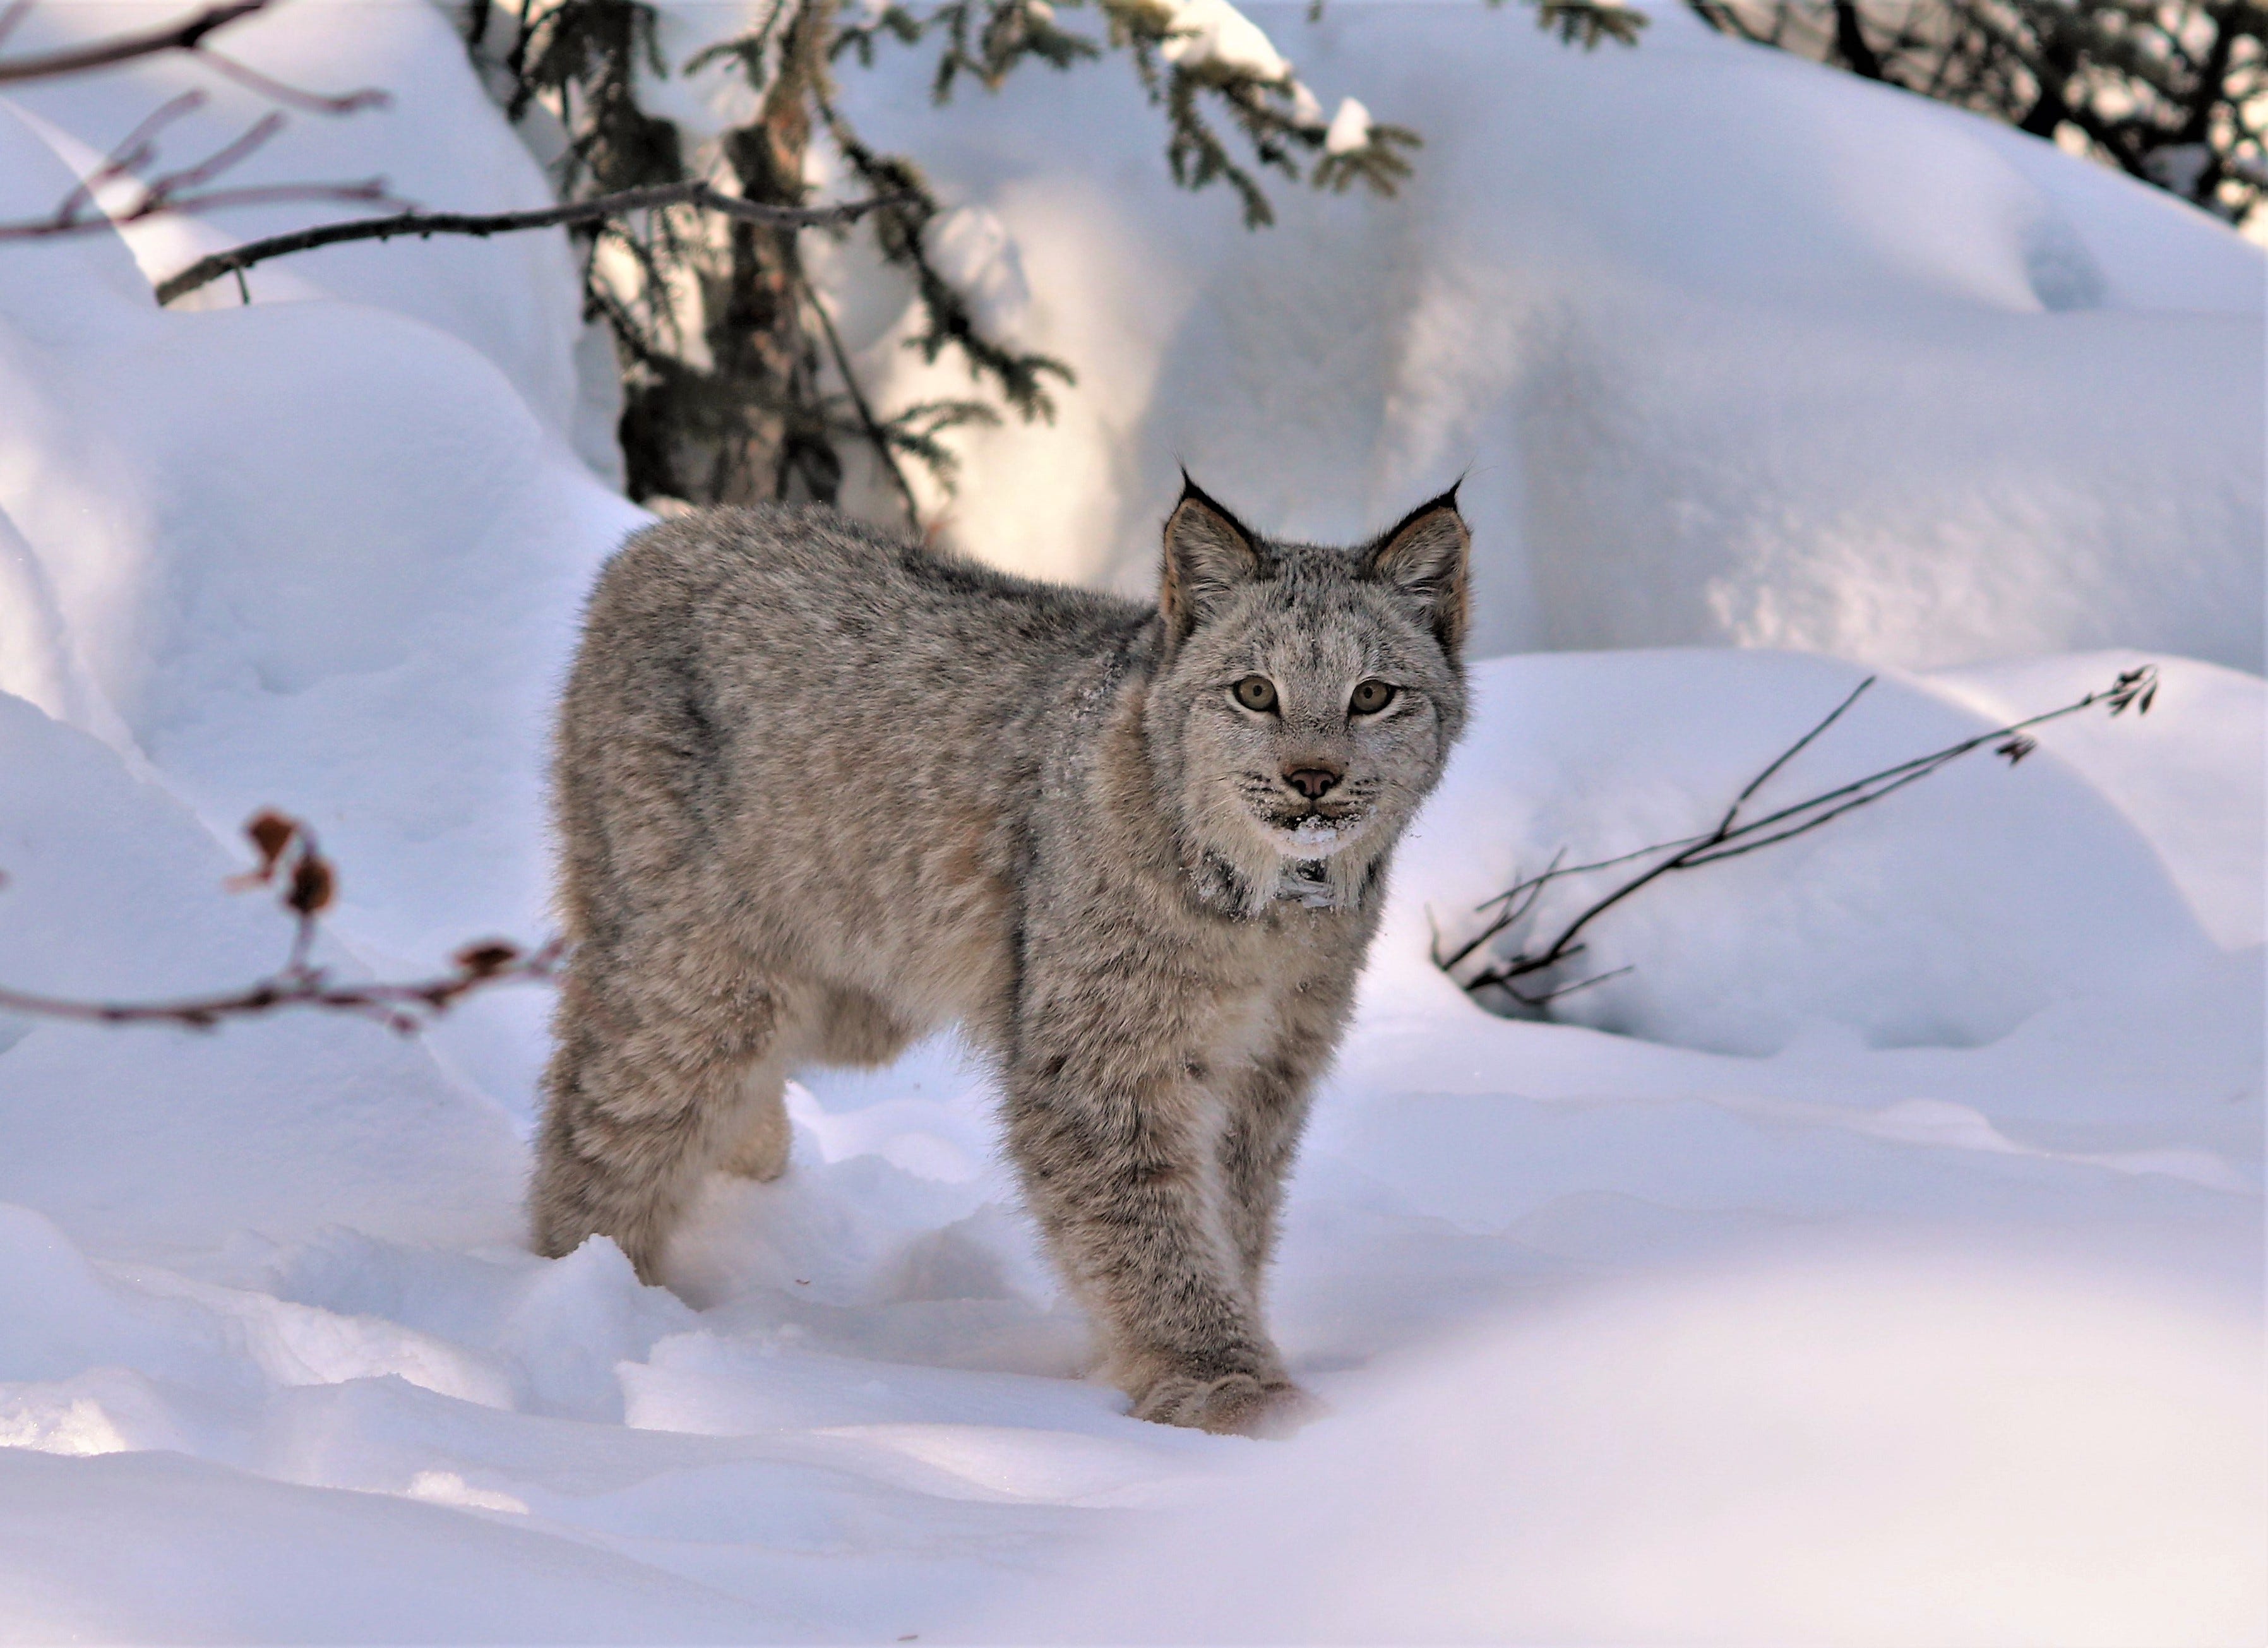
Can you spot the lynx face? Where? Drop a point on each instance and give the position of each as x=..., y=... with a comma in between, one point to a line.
x=1310, y=697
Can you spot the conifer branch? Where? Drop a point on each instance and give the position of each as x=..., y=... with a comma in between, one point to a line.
x=421, y=224
x=949, y=323
x=1587, y=23
x=745, y=412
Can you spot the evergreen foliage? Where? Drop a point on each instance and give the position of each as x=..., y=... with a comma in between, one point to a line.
x=2172, y=91
x=737, y=387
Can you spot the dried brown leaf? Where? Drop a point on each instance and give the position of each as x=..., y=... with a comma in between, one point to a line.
x=272, y=833
x=313, y=885
x=490, y=956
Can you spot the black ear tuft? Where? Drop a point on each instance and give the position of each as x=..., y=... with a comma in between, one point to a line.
x=1209, y=553
x=1427, y=555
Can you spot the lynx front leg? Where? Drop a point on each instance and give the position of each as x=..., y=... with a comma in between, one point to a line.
x=1256, y=1149
x=1120, y=1169
x=1263, y=1130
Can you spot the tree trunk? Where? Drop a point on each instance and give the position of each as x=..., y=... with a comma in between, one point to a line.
x=750, y=429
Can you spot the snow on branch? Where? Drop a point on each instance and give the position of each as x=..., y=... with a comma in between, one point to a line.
x=1195, y=53
x=1194, y=57
x=207, y=269
x=1734, y=834
x=291, y=861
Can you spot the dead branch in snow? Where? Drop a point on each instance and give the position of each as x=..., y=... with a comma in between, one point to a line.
x=424, y=223
x=291, y=861
x=1732, y=836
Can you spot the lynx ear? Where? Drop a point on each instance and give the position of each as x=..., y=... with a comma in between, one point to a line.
x=1426, y=556
x=1208, y=554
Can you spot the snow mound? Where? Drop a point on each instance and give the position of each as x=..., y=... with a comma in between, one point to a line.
x=436, y=143
x=1730, y=348
x=191, y=1548
x=155, y=1137
x=1931, y=1449
x=316, y=555
x=1946, y=914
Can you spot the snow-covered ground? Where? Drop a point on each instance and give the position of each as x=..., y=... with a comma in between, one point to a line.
x=1878, y=1260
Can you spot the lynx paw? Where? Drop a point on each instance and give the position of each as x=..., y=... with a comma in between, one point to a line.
x=1237, y=1405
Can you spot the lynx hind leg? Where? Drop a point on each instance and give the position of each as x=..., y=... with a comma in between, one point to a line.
x=643, y=1091
x=857, y=1029
x=759, y=1149
x=828, y=1023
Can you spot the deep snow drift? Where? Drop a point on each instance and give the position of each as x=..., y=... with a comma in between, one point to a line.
x=1877, y=1260
x=1729, y=349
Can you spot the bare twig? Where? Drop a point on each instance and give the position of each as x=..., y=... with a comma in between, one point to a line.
x=188, y=35
x=1733, y=836
x=205, y=270
x=293, y=97
x=16, y=12
x=869, y=425
x=82, y=210
x=171, y=193
x=290, y=860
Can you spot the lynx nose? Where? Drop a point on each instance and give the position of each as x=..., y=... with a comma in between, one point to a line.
x=1312, y=782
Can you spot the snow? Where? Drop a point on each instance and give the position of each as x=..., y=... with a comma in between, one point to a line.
x=1955, y=909
x=973, y=249
x=1213, y=33
x=1879, y=1259
x=1349, y=132
x=437, y=145
x=1727, y=347
x=1954, y=1512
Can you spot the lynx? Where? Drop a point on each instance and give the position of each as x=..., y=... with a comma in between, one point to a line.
x=819, y=792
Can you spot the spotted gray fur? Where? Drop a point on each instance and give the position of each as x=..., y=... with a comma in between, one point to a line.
x=819, y=792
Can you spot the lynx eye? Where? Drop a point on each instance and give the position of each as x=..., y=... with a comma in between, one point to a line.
x=1370, y=697
x=1255, y=692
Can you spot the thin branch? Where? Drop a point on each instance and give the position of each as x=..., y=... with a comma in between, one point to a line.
x=313, y=102
x=1732, y=837
x=15, y=13
x=403, y=1007
x=187, y=35
x=82, y=210
x=205, y=270
x=367, y=192
x=869, y=425
x=1796, y=749
x=290, y=858
x=133, y=151
x=1544, y=998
